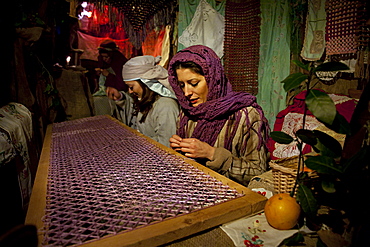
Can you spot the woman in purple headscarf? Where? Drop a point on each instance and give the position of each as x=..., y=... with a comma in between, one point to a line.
x=223, y=129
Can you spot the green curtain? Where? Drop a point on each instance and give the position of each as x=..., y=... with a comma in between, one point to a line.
x=274, y=65
x=187, y=9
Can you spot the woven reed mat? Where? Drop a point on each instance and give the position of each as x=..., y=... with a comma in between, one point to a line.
x=241, y=44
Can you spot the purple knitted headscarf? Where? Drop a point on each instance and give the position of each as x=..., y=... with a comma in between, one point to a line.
x=221, y=102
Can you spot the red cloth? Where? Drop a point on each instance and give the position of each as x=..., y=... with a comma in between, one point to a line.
x=344, y=105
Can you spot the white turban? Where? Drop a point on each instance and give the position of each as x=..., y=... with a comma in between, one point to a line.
x=153, y=75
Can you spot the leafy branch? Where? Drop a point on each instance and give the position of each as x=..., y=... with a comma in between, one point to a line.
x=327, y=162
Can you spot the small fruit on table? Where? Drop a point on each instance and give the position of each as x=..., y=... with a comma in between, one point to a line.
x=282, y=211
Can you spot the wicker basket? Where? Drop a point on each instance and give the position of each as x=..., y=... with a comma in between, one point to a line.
x=284, y=173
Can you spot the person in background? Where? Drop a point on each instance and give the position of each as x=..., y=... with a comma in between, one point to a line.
x=110, y=63
x=150, y=106
x=222, y=129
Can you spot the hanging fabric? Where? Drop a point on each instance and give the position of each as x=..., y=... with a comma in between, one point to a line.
x=89, y=44
x=206, y=28
x=187, y=10
x=314, y=41
x=139, y=17
x=274, y=56
x=341, y=28
x=242, y=44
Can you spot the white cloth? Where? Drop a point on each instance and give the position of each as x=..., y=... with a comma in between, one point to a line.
x=16, y=134
x=147, y=69
x=206, y=28
x=256, y=230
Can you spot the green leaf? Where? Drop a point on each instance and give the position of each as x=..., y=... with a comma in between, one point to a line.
x=321, y=106
x=307, y=200
x=301, y=65
x=293, y=81
x=48, y=88
x=307, y=136
x=328, y=186
x=281, y=137
x=327, y=145
x=331, y=66
x=340, y=125
x=322, y=164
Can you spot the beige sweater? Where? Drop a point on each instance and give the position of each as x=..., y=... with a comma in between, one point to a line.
x=245, y=160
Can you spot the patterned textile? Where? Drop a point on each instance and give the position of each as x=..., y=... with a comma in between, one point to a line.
x=15, y=136
x=341, y=27
x=242, y=43
x=290, y=120
x=187, y=10
x=314, y=42
x=255, y=231
x=206, y=28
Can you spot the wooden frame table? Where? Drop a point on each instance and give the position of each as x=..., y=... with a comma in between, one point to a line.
x=84, y=189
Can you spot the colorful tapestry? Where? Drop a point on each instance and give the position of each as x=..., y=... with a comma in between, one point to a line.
x=290, y=120
x=242, y=43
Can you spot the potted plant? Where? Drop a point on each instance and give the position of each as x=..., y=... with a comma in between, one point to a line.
x=338, y=177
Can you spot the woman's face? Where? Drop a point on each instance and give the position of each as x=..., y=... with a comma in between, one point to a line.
x=106, y=58
x=135, y=89
x=193, y=85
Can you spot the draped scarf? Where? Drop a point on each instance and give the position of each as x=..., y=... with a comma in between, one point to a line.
x=221, y=102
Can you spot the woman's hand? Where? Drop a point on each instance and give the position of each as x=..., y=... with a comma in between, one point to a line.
x=113, y=93
x=192, y=147
x=105, y=72
x=175, y=141
x=98, y=71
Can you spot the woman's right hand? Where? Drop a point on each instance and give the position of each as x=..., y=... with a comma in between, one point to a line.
x=175, y=141
x=192, y=147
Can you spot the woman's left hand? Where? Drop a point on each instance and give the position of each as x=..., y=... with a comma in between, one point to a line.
x=194, y=148
x=113, y=93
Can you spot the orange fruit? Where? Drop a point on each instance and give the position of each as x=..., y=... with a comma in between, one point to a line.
x=282, y=211
x=306, y=169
